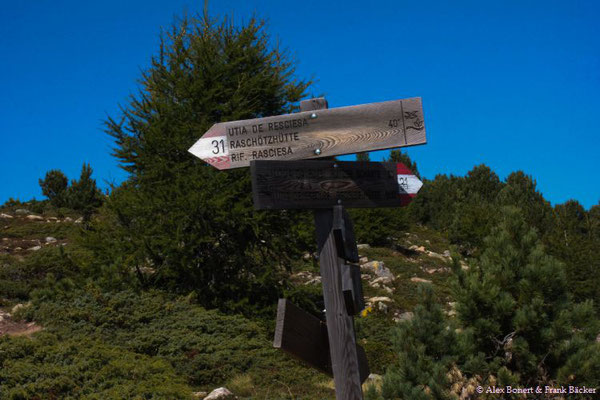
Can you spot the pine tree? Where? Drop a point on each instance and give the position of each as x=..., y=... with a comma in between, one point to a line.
x=194, y=226
x=520, y=191
x=516, y=308
x=572, y=240
x=54, y=186
x=475, y=208
x=427, y=347
x=83, y=195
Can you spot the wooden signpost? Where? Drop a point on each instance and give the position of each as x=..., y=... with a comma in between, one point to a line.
x=313, y=133
x=323, y=184
x=327, y=187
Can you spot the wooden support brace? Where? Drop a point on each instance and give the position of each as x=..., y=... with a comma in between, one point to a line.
x=343, y=230
x=304, y=337
x=352, y=288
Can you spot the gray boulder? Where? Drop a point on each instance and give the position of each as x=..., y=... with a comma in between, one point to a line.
x=378, y=268
x=220, y=394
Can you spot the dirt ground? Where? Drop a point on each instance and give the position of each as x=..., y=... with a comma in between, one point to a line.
x=10, y=327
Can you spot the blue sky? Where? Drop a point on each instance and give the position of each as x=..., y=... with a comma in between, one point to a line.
x=512, y=84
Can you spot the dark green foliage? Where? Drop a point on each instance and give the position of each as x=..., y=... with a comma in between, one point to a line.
x=371, y=393
x=54, y=187
x=475, y=211
x=42, y=268
x=12, y=203
x=378, y=226
x=196, y=341
x=465, y=207
x=374, y=334
x=574, y=239
x=518, y=325
x=364, y=156
x=426, y=348
x=520, y=191
x=52, y=367
x=194, y=225
x=515, y=307
x=435, y=204
x=83, y=195
x=170, y=336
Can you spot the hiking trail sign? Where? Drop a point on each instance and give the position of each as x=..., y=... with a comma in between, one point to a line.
x=323, y=184
x=269, y=146
x=313, y=134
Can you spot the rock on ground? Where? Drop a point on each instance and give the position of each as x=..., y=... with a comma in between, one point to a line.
x=436, y=255
x=383, y=280
x=20, y=306
x=314, y=281
x=372, y=380
x=420, y=249
x=378, y=268
x=379, y=299
x=32, y=217
x=419, y=280
x=403, y=317
x=220, y=394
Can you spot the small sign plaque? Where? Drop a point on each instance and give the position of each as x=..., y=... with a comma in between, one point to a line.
x=324, y=184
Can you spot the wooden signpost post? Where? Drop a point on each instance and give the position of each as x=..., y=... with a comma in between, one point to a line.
x=327, y=187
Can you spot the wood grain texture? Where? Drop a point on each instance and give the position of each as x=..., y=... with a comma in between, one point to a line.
x=340, y=325
x=298, y=136
x=322, y=184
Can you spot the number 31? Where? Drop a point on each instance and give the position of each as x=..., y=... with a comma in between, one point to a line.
x=216, y=143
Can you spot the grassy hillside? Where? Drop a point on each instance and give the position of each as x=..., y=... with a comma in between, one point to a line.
x=70, y=338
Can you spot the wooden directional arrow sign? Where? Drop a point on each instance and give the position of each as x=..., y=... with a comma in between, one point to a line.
x=313, y=134
x=324, y=184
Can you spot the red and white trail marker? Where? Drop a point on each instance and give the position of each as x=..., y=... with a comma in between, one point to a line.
x=409, y=184
x=323, y=184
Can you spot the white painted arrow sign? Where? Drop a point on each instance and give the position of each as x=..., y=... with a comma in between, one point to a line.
x=313, y=134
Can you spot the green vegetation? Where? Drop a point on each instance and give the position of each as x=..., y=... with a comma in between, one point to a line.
x=83, y=195
x=515, y=324
x=54, y=187
x=168, y=285
x=192, y=224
